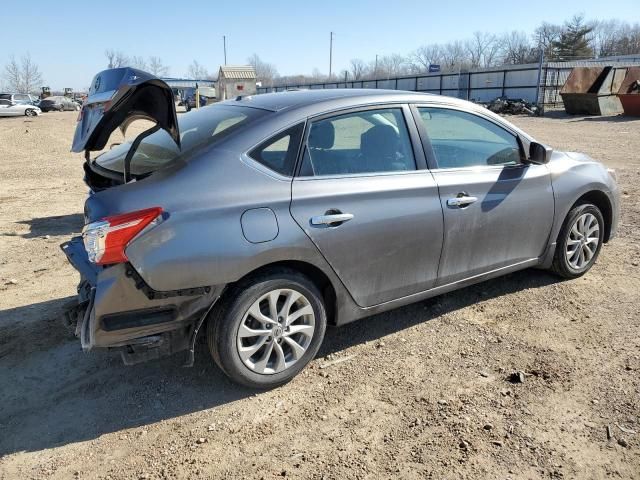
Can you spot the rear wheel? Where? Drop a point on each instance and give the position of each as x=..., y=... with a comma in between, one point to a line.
x=268, y=329
x=579, y=241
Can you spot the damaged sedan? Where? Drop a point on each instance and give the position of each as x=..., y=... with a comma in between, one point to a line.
x=259, y=221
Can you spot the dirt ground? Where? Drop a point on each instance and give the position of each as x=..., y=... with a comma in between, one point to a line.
x=420, y=392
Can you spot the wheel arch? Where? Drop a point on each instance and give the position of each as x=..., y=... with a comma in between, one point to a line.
x=312, y=272
x=600, y=200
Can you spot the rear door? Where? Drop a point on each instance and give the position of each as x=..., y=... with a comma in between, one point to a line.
x=5, y=108
x=498, y=211
x=362, y=199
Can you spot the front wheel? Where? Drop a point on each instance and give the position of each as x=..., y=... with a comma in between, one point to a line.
x=268, y=329
x=30, y=112
x=579, y=241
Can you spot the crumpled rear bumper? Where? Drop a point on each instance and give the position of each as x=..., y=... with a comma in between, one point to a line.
x=117, y=309
x=80, y=314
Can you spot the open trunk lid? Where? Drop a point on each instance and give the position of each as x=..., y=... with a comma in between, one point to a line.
x=119, y=96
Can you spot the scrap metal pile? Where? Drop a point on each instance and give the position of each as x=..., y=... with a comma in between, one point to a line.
x=512, y=106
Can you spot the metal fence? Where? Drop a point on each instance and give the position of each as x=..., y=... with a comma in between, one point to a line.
x=536, y=83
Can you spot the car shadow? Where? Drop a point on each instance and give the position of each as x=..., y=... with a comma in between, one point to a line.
x=53, y=225
x=617, y=118
x=53, y=394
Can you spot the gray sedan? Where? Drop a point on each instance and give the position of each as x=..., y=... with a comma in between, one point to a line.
x=259, y=221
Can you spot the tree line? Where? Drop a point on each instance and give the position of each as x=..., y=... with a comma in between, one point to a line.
x=575, y=39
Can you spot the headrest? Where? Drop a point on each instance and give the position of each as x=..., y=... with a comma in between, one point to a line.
x=379, y=141
x=322, y=135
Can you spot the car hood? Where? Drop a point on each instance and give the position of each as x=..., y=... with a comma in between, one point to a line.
x=119, y=96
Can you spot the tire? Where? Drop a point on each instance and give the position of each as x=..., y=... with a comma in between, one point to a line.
x=572, y=238
x=267, y=360
x=61, y=108
x=30, y=112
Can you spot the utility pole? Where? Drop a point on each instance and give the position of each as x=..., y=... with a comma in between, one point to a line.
x=224, y=45
x=375, y=70
x=330, y=53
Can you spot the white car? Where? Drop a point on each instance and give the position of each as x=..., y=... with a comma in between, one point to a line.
x=9, y=109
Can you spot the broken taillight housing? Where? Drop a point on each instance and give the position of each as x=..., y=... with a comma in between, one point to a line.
x=106, y=239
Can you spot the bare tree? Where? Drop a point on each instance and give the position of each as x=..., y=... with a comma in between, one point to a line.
x=482, y=49
x=454, y=56
x=615, y=37
x=116, y=59
x=138, y=62
x=545, y=35
x=358, y=68
x=391, y=65
x=23, y=76
x=197, y=71
x=517, y=49
x=425, y=56
x=265, y=72
x=318, y=76
x=157, y=68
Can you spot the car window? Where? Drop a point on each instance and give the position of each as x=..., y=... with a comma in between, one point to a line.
x=461, y=139
x=362, y=142
x=5, y=96
x=4, y=102
x=280, y=151
x=22, y=97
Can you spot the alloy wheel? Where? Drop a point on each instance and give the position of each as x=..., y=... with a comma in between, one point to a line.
x=276, y=331
x=582, y=241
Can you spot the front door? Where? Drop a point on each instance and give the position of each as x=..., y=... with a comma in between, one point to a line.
x=497, y=211
x=371, y=213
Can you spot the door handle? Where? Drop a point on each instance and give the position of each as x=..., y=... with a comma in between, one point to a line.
x=332, y=219
x=461, y=201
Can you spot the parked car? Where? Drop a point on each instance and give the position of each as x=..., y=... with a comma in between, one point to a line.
x=20, y=98
x=58, y=103
x=264, y=219
x=9, y=109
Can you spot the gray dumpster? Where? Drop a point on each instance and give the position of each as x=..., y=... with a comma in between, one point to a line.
x=592, y=91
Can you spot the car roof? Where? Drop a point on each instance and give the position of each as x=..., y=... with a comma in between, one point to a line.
x=356, y=96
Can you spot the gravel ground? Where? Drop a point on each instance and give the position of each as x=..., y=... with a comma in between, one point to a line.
x=420, y=392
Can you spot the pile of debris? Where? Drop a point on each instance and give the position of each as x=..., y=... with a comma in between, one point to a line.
x=513, y=106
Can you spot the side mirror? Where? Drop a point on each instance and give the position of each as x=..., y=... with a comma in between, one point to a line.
x=539, y=153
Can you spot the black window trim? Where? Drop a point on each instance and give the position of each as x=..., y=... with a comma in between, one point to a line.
x=430, y=154
x=414, y=140
x=271, y=139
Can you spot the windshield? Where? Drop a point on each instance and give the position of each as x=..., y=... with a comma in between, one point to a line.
x=199, y=127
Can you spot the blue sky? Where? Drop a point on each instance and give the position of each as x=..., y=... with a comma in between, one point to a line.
x=68, y=39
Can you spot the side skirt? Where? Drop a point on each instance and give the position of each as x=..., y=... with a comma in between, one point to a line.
x=350, y=313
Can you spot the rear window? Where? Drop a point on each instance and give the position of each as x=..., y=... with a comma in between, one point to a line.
x=197, y=128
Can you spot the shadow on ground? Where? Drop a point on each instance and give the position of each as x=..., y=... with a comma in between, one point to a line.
x=619, y=118
x=52, y=394
x=54, y=225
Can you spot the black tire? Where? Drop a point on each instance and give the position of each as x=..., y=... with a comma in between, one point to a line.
x=30, y=112
x=225, y=321
x=61, y=108
x=561, y=265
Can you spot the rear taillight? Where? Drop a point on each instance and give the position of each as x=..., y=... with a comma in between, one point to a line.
x=106, y=239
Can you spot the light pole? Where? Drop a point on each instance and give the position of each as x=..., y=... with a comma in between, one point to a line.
x=330, y=53
x=375, y=70
x=224, y=46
